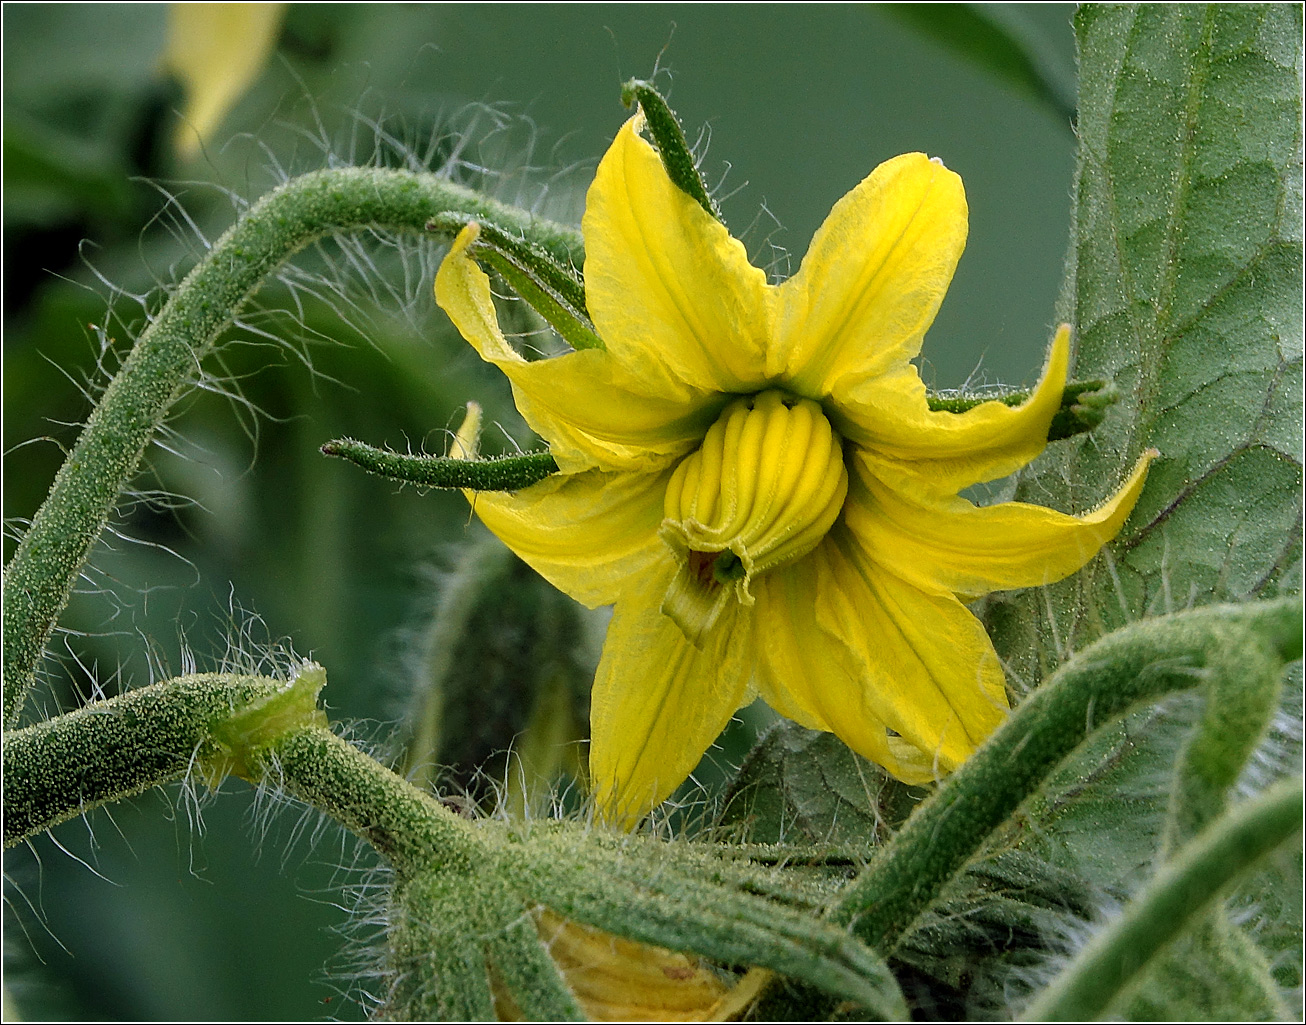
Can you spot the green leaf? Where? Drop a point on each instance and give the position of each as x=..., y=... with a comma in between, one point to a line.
x=1185, y=286
x=803, y=786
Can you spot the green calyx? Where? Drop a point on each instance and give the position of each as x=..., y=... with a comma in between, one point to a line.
x=556, y=292
x=1083, y=405
x=669, y=138
x=464, y=938
x=503, y=473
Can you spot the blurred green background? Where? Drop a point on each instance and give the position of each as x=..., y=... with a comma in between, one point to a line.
x=160, y=911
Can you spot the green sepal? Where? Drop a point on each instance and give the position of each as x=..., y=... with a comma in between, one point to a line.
x=698, y=901
x=520, y=962
x=555, y=292
x=234, y=743
x=1083, y=405
x=499, y=473
x=669, y=138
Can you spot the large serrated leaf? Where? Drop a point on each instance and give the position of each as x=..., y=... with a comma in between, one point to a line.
x=1185, y=282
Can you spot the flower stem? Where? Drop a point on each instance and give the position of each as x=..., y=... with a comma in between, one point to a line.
x=1230, y=647
x=411, y=829
x=1184, y=889
x=43, y=570
x=109, y=750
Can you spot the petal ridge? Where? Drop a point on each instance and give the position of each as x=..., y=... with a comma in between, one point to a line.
x=671, y=293
x=873, y=278
x=658, y=702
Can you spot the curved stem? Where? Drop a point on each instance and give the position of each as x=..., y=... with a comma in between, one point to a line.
x=1142, y=662
x=407, y=826
x=1183, y=890
x=43, y=570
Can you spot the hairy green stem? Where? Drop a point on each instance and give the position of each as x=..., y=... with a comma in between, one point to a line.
x=1181, y=892
x=43, y=570
x=411, y=829
x=109, y=750
x=1142, y=662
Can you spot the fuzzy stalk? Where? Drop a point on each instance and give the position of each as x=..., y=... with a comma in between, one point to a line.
x=160, y=366
x=1186, y=888
x=409, y=828
x=110, y=750
x=1139, y=663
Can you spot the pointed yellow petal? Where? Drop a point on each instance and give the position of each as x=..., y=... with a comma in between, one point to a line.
x=586, y=533
x=935, y=676
x=659, y=702
x=218, y=51
x=672, y=295
x=805, y=675
x=872, y=652
x=589, y=410
x=950, y=544
x=889, y=419
x=873, y=278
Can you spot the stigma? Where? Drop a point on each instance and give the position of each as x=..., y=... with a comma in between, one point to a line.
x=764, y=488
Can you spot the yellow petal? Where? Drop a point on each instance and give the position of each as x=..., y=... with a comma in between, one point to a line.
x=859, y=650
x=806, y=676
x=616, y=979
x=659, y=702
x=950, y=544
x=586, y=533
x=889, y=419
x=672, y=295
x=873, y=278
x=584, y=404
x=218, y=51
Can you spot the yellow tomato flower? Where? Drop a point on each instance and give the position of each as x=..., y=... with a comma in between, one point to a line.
x=752, y=475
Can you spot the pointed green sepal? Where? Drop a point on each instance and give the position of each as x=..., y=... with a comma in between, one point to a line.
x=236, y=742
x=555, y=292
x=669, y=138
x=1083, y=405
x=503, y=473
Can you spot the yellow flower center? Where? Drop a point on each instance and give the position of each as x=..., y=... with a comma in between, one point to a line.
x=763, y=489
